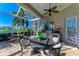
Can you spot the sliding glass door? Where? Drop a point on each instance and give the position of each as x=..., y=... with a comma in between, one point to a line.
x=71, y=29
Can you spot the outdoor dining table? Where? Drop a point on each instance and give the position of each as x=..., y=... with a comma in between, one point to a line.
x=34, y=42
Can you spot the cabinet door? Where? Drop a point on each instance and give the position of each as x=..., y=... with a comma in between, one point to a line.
x=71, y=29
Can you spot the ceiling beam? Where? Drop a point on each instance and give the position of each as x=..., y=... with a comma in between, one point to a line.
x=28, y=6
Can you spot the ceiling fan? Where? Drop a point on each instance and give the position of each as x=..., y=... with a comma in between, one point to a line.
x=51, y=10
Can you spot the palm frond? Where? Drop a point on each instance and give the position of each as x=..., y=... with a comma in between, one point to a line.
x=26, y=23
x=21, y=12
x=16, y=21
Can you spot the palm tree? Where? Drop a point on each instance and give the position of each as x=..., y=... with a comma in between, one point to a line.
x=24, y=24
x=18, y=21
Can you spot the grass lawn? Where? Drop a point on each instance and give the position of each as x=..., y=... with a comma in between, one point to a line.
x=7, y=31
x=15, y=30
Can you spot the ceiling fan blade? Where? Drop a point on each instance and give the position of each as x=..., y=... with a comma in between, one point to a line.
x=45, y=13
x=54, y=7
x=55, y=11
x=50, y=13
x=45, y=9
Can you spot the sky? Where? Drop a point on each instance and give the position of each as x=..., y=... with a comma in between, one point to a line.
x=6, y=19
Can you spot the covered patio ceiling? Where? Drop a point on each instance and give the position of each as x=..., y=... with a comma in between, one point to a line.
x=38, y=7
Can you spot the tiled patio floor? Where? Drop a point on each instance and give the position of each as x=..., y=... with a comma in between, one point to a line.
x=7, y=48
x=70, y=51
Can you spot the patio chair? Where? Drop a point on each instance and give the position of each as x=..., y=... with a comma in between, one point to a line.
x=13, y=38
x=23, y=41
